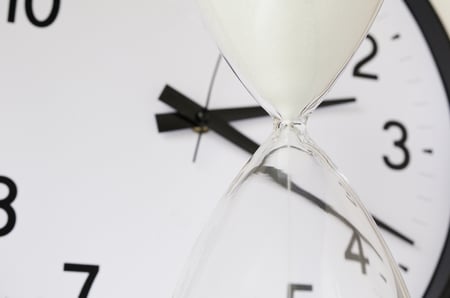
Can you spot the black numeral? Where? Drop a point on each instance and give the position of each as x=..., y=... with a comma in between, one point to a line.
x=401, y=144
x=92, y=271
x=292, y=288
x=53, y=14
x=357, y=71
x=359, y=256
x=5, y=205
x=12, y=11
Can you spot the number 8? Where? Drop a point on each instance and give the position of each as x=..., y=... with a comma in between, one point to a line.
x=5, y=205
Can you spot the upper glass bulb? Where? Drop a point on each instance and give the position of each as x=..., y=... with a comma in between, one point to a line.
x=288, y=52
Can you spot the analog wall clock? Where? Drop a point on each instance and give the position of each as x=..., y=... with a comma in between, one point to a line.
x=100, y=198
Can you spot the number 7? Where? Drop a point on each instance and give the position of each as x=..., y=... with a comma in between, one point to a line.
x=91, y=269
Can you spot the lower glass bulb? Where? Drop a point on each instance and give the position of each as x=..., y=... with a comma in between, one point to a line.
x=290, y=226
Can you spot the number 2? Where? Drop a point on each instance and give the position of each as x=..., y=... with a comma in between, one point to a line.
x=357, y=72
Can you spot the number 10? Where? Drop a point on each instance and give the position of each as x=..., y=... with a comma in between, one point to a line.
x=30, y=13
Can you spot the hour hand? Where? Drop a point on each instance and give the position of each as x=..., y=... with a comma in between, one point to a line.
x=186, y=107
x=192, y=112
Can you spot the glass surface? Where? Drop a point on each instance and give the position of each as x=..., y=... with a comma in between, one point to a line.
x=290, y=225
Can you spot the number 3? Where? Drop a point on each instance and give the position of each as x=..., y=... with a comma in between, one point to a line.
x=401, y=144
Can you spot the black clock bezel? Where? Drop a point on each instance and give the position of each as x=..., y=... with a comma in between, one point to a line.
x=439, y=44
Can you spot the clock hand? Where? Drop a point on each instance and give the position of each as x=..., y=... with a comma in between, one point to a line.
x=391, y=230
x=171, y=121
x=243, y=113
x=336, y=102
x=193, y=112
x=187, y=108
x=233, y=135
x=174, y=121
x=234, y=114
x=281, y=178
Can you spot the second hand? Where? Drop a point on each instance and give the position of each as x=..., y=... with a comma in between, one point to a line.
x=202, y=115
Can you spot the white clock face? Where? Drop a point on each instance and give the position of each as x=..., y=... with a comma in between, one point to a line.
x=99, y=188
x=393, y=143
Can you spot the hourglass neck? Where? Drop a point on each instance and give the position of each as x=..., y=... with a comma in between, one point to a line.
x=298, y=124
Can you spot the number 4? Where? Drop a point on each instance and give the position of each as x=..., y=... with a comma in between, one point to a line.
x=358, y=257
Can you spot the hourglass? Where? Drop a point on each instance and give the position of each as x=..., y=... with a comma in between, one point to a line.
x=290, y=224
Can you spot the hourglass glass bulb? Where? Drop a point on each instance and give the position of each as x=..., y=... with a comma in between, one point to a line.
x=290, y=224
x=288, y=52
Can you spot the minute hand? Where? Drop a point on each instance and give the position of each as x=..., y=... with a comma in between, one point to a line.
x=190, y=110
x=173, y=121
